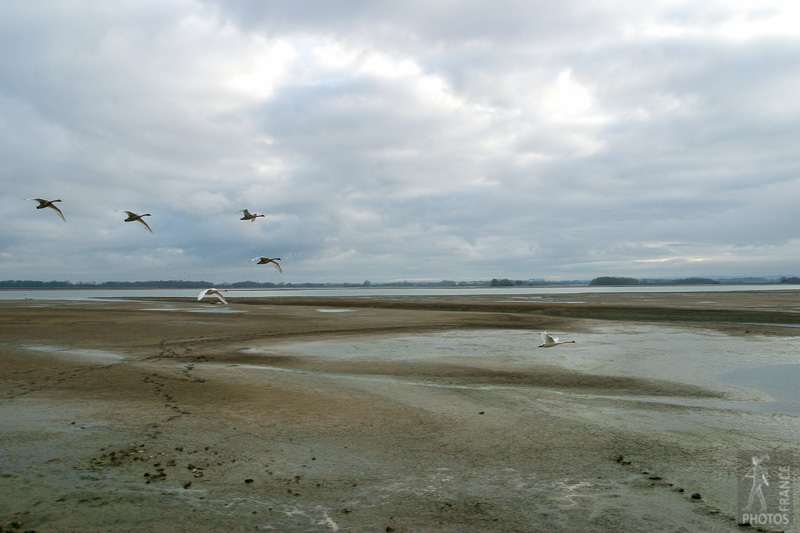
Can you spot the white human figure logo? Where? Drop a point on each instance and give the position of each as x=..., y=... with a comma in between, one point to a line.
x=759, y=475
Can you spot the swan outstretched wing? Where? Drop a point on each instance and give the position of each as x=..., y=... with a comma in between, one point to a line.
x=548, y=339
x=57, y=210
x=145, y=224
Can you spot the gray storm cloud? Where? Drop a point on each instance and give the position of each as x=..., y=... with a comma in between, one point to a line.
x=414, y=141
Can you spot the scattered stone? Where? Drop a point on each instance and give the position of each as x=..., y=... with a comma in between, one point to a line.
x=619, y=458
x=654, y=477
x=678, y=489
x=187, y=484
x=696, y=496
x=248, y=480
x=479, y=414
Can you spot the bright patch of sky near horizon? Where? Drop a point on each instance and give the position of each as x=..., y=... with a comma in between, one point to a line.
x=388, y=142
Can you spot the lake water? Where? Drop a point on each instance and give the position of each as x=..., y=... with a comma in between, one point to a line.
x=88, y=294
x=758, y=373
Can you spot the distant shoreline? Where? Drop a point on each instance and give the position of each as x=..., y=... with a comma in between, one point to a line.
x=244, y=286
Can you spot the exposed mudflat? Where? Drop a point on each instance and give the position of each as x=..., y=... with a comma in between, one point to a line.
x=392, y=413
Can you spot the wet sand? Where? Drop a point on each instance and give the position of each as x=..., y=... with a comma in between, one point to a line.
x=177, y=415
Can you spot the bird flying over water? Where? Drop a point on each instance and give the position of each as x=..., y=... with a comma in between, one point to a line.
x=48, y=203
x=133, y=217
x=549, y=340
x=212, y=292
x=249, y=216
x=264, y=260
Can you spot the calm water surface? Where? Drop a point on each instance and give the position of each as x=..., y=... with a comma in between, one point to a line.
x=88, y=294
x=758, y=373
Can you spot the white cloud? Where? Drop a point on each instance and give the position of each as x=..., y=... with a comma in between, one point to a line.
x=519, y=139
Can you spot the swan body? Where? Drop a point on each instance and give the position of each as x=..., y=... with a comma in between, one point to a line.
x=48, y=203
x=264, y=260
x=249, y=216
x=549, y=341
x=212, y=292
x=133, y=217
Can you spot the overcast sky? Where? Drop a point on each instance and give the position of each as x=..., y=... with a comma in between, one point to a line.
x=414, y=140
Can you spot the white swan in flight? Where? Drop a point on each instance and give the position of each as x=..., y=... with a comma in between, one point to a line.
x=549, y=340
x=264, y=260
x=214, y=292
x=133, y=217
x=48, y=203
x=249, y=216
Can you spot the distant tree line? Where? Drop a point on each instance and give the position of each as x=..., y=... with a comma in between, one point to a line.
x=623, y=281
x=495, y=282
x=154, y=284
x=181, y=284
x=161, y=284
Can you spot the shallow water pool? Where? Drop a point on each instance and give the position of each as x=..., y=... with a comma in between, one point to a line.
x=758, y=371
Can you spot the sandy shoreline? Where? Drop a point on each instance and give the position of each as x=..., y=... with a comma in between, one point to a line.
x=172, y=415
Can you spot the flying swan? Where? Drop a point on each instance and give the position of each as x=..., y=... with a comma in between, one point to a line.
x=264, y=260
x=249, y=216
x=133, y=217
x=549, y=340
x=212, y=291
x=48, y=203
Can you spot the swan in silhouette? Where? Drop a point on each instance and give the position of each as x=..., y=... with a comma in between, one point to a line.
x=133, y=217
x=48, y=203
x=264, y=260
x=249, y=216
x=214, y=292
x=549, y=340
